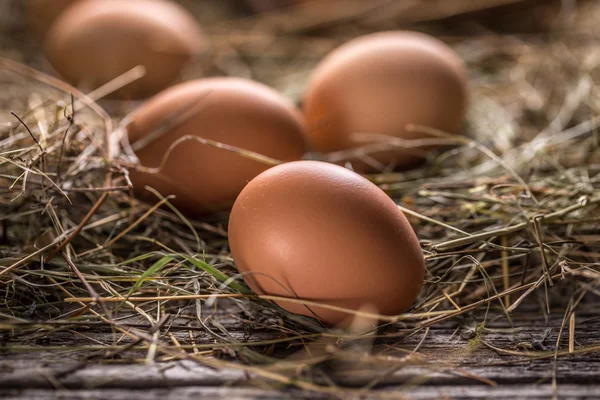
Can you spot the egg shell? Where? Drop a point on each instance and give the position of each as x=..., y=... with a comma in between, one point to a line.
x=43, y=13
x=320, y=232
x=233, y=111
x=379, y=83
x=95, y=41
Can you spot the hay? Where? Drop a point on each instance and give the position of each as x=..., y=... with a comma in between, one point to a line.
x=506, y=216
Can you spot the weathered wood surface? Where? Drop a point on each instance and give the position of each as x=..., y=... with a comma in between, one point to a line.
x=528, y=392
x=475, y=369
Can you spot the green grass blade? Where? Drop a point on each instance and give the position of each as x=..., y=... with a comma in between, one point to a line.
x=216, y=273
x=153, y=269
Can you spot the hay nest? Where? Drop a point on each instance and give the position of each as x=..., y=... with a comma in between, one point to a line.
x=509, y=214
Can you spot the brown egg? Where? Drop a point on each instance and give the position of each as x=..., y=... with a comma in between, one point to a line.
x=233, y=111
x=379, y=83
x=320, y=232
x=42, y=13
x=95, y=41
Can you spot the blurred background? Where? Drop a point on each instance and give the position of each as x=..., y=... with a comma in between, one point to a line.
x=524, y=56
x=279, y=41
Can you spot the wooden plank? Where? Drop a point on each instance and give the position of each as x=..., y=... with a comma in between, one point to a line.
x=157, y=394
x=529, y=392
x=456, y=367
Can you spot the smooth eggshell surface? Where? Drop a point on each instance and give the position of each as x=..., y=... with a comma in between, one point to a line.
x=95, y=41
x=232, y=111
x=376, y=85
x=320, y=232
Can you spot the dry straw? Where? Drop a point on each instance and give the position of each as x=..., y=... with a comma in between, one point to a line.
x=509, y=214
